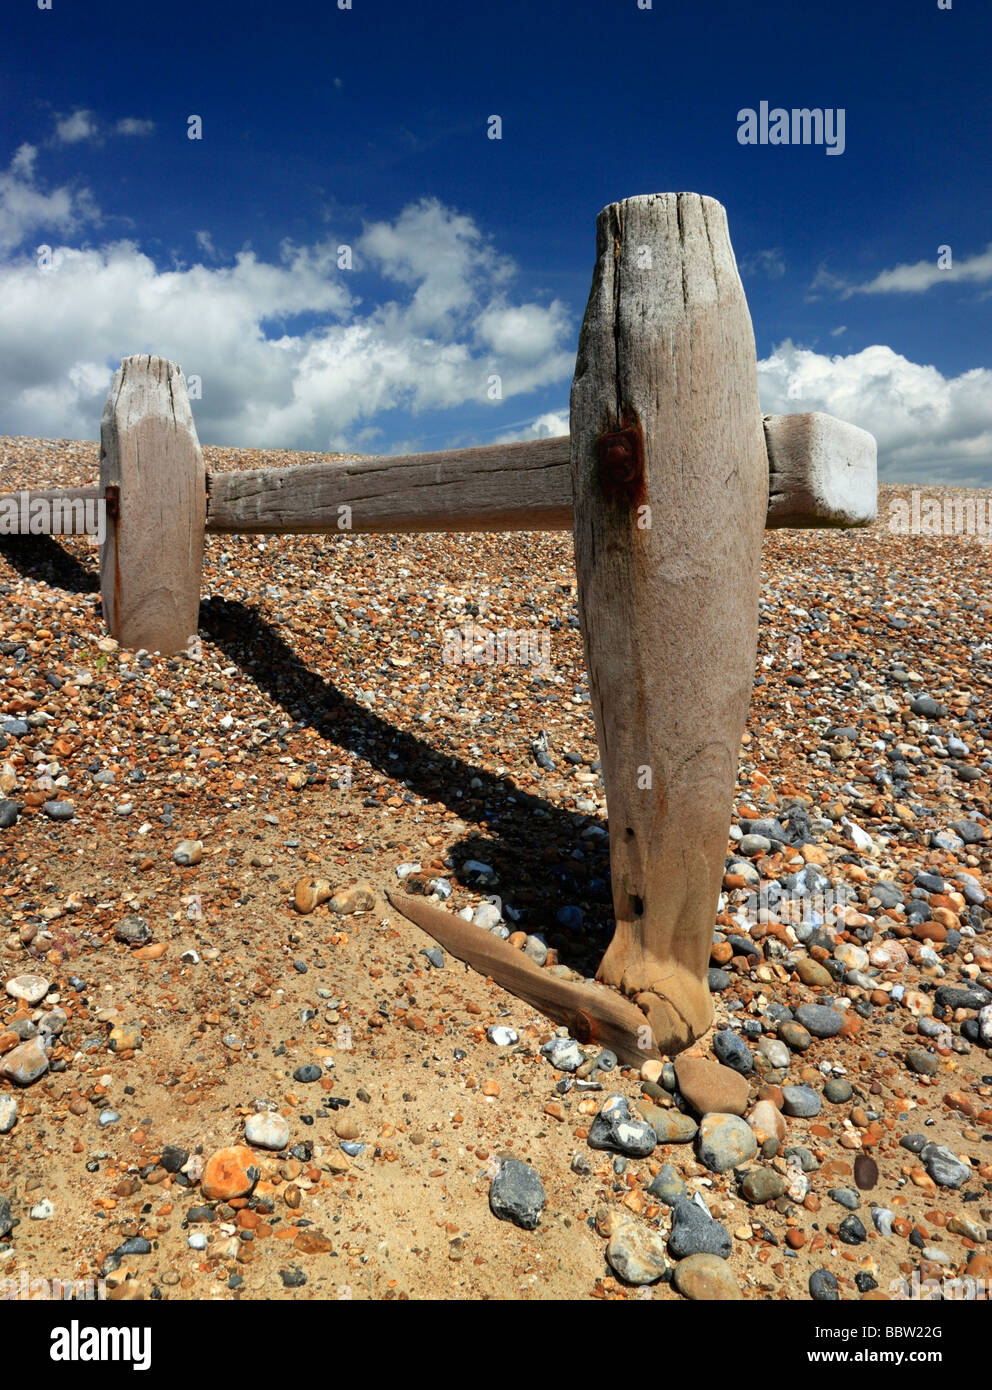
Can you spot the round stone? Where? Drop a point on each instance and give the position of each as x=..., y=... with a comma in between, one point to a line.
x=229, y=1173
x=837, y=1090
x=823, y=1286
x=794, y=1035
x=31, y=988
x=637, y=1254
x=706, y=1278
x=725, y=1142
x=820, y=1020
x=267, y=1130
x=709, y=1087
x=801, y=1101
x=762, y=1185
x=616, y=1129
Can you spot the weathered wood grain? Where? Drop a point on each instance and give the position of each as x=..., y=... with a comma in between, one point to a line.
x=669, y=609
x=152, y=558
x=522, y=487
x=822, y=472
x=591, y=1012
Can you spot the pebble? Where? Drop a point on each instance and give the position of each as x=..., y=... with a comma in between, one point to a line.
x=694, y=1232
x=43, y=1210
x=801, y=1101
x=6, y=1219
x=851, y=1231
x=922, y=1062
x=637, y=1254
x=733, y=1051
x=267, y=1130
x=197, y=1241
x=564, y=1054
x=59, y=810
x=516, y=1194
x=882, y=1219
x=762, y=1185
x=9, y=811
x=30, y=988
x=188, y=852
x=133, y=931
x=309, y=1072
x=865, y=1172
x=775, y=1052
x=615, y=1128
x=502, y=1037
x=724, y=1142
x=670, y=1126
x=794, y=1035
x=837, y=1090
x=766, y=1120
x=823, y=1286
x=706, y=1278
x=346, y=902
x=668, y=1186
x=8, y=1113
x=944, y=1167
x=228, y=1173
x=25, y=1063
x=709, y=1086
x=108, y=1117
x=845, y=1197
x=820, y=1020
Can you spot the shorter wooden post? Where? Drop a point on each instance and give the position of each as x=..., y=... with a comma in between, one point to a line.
x=152, y=475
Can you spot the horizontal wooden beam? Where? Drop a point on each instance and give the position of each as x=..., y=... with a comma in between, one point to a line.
x=62, y=519
x=821, y=474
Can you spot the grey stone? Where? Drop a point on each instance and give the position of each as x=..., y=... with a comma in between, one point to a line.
x=944, y=1167
x=671, y=1126
x=922, y=1062
x=820, y=1020
x=668, y=1186
x=517, y=1194
x=615, y=1128
x=733, y=1051
x=963, y=997
x=694, y=1232
x=823, y=1286
x=762, y=1185
x=6, y=1220
x=59, y=810
x=801, y=1102
x=724, y=1142
x=8, y=1113
x=846, y=1197
x=9, y=811
x=564, y=1054
x=837, y=1090
x=133, y=930
x=775, y=1052
x=25, y=1063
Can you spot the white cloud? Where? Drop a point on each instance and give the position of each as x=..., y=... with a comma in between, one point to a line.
x=836, y=332
x=433, y=345
x=133, y=125
x=769, y=262
x=548, y=426
x=25, y=208
x=929, y=428
x=81, y=125
x=913, y=279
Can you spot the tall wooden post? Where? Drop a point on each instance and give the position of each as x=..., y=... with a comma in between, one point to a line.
x=152, y=475
x=670, y=485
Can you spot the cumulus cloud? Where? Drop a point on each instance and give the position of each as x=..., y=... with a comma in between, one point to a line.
x=448, y=326
x=25, y=208
x=81, y=125
x=930, y=428
x=547, y=426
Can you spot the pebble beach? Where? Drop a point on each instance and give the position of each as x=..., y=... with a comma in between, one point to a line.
x=230, y=1070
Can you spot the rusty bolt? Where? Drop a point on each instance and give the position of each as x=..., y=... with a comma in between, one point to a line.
x=621, y=460
x=112, y=497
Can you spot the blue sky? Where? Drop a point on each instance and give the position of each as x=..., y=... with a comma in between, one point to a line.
x=367, y=127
